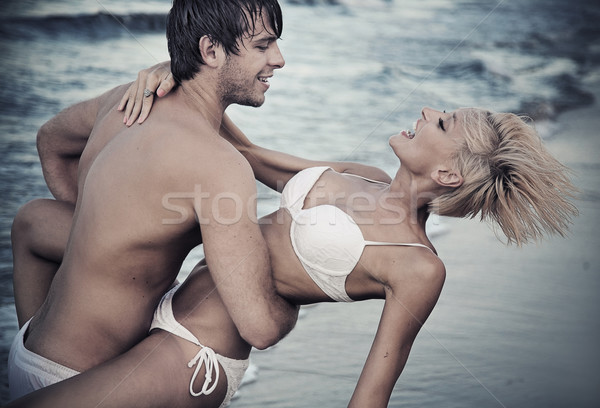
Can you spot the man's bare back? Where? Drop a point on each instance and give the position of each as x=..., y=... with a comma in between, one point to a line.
x=126, y=246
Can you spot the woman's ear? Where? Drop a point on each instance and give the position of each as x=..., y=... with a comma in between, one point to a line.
x=211, y=53
x=447, y=178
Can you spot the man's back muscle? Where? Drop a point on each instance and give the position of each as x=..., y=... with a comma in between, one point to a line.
x=126, y=245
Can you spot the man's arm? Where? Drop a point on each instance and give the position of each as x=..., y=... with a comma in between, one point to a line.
x=237, y=255
x=61, y=141
x=274, y=169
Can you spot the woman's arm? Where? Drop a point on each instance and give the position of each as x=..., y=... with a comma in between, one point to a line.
x=61, y=141
x=409, y=301
x=274, y=169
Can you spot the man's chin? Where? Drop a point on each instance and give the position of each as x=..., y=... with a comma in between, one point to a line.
x=255, y=103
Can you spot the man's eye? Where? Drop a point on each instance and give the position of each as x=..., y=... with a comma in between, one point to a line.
x=441, y=122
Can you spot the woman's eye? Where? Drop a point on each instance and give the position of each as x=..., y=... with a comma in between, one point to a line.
x=441, y=123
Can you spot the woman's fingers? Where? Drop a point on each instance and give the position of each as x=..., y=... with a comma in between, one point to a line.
x=163, y=87
x=167, y=84
x=139, y=98
x=134, y=107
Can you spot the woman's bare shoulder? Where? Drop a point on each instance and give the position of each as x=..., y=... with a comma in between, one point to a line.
x=420, y=268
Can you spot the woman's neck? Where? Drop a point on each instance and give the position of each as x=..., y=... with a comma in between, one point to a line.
x=412, y=194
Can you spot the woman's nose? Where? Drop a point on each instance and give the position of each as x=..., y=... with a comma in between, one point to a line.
x=429, y=113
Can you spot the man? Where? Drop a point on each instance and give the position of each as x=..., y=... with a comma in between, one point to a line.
x=146, y=195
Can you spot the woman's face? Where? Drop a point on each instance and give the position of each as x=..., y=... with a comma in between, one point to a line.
x=431, y=143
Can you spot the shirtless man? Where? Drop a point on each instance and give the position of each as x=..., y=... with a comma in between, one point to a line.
x=146, y=195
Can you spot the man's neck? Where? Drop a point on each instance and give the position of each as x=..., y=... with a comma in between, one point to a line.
x=200, y=96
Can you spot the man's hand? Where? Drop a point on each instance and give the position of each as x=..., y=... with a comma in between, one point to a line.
x=138, y=99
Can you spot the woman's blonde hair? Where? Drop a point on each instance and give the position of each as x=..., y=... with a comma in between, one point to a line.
x=510, y=178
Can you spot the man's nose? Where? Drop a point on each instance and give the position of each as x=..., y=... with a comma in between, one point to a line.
x=275, y=57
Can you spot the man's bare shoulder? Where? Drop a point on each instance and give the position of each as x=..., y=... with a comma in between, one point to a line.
x=213, y=160
x=107, y=102
x=194, y=149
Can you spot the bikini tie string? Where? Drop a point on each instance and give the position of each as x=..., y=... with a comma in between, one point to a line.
x=207, y=357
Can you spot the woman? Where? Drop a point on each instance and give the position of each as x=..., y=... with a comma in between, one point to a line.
x=344, y=232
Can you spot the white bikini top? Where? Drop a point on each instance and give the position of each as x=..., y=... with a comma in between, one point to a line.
x=326, y=240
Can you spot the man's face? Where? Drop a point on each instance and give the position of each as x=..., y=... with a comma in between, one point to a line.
x=244, y=78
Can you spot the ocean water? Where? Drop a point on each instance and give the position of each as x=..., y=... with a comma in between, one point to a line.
x=513, y=328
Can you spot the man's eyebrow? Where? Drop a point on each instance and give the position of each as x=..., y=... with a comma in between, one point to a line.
x=267, y=38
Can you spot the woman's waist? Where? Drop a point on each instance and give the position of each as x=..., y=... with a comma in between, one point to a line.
x=198, y=314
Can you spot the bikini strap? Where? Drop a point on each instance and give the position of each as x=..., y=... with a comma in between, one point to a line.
x=397, y=244
x=366, y=178
x=205, y=357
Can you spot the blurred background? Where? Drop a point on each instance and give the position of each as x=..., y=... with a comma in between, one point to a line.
x=513, y=327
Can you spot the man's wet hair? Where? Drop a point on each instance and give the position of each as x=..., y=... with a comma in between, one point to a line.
x=225, y=22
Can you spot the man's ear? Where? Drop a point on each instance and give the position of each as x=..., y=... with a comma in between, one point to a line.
x=447, y=178
x=211, y=53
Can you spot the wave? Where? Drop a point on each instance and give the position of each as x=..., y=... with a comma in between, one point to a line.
x=462, y=69
x=89, y=26
x=97, y=25
x=547, y=84
x=570, y=95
